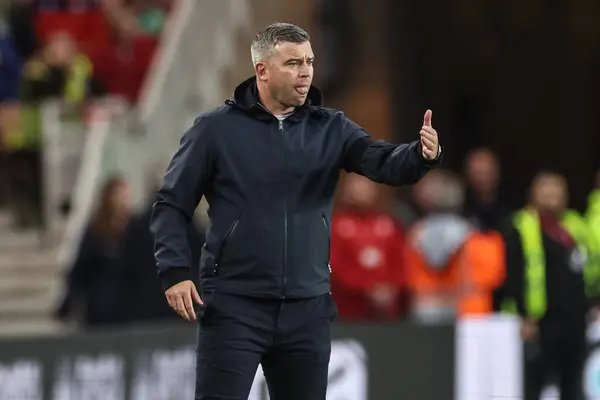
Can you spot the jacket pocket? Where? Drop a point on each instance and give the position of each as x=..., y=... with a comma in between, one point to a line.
x=228, y=234
x=324, y=242
x=205, y=309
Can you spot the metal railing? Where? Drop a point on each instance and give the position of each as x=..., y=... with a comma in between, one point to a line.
x=64, y=138
x=185, y=81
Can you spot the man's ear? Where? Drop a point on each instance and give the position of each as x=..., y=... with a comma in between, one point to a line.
x=261, y=71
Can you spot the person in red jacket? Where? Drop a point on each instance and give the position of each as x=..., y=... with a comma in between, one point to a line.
x=367, y=278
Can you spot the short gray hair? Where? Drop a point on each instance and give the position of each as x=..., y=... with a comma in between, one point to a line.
x=267, y=39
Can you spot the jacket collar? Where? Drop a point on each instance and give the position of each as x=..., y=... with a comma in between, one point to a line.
x=245, y=97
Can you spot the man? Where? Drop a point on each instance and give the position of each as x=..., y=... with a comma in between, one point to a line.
x=552, y=278
x=268, y=163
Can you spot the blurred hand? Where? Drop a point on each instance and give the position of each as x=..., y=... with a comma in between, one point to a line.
x=529, y=329
x=429, y=138
x=181, y=298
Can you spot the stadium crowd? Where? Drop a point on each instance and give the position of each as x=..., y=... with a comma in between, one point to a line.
x=75, y=51
x=433, y=257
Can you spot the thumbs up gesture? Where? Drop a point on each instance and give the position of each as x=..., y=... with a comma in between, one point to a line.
x=429, y=138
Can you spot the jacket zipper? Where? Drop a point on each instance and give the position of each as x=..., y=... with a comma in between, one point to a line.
x=325, y=221
x=229, y=232
x=285, y=218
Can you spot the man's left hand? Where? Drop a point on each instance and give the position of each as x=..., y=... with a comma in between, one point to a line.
x=429, y=138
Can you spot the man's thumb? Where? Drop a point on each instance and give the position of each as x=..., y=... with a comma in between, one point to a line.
x=427, y=118
x=195, y=295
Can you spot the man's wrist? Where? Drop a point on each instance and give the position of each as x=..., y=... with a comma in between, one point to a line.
x=173, y=276
x=434, y=160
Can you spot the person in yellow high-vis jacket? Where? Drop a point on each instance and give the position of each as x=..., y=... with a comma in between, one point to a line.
x=593, y=210
x=553, y=276
x=57, y=71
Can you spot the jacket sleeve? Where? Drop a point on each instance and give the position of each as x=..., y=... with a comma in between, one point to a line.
x=186, y=180
x=383, y=162
x=514, y=285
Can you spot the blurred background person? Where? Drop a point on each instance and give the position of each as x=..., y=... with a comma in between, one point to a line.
x=486, y=204
x=553, y=280
x=60, y=70
x=10, y=72
x=125, y=53
x=11, y=62
x=145, y=299
x=95, y=284
x=367, y=245
x=593, y=208
x=453, y=267
x=57, y=71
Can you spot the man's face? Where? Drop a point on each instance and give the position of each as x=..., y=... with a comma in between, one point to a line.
x=483, y=172
x=60, y=50
x=549, y=193
x=288, y=73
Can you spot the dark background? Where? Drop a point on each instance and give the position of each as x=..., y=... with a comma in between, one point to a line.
x=521, y=77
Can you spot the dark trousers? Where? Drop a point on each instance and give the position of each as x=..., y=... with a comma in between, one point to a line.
x=289, y=338
x=557, y=355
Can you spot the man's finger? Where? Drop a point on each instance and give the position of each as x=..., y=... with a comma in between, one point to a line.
x=171, y=302
x=427, y=118
x=181, y=307
x=428, y=144
x=189, y=306
x=429, y=135
x=428, y=154
x=196, y=296
x=427, y=147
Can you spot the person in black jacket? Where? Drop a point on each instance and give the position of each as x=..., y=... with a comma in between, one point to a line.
x=552, y=280
x=95, y=283
x=268, y=163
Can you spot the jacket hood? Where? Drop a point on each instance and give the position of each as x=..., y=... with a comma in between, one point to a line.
x=440, y=237
x=245, y=96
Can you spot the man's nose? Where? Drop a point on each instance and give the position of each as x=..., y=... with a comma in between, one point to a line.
x=304, y=70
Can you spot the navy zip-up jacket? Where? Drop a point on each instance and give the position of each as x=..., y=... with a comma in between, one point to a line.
x=270, y=187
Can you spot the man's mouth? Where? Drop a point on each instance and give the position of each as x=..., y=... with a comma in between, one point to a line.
x=303, y=90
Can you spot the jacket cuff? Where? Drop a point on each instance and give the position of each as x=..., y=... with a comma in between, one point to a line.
x=173, y=276
x=433, y=162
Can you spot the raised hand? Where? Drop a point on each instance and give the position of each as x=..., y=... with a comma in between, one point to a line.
x=429, y=138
